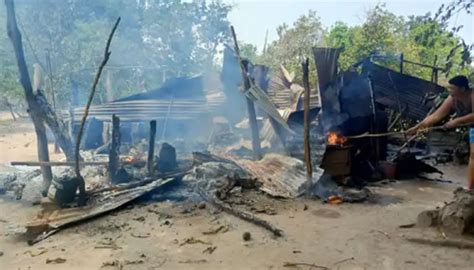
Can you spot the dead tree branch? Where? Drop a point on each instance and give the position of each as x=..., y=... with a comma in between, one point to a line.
x=107, y=53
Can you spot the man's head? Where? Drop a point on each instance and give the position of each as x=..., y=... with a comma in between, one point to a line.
x=458, y=85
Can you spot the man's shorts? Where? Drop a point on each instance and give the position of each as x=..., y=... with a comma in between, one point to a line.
x=471, y=135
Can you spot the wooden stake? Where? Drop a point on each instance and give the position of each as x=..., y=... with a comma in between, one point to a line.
x=114, y=149
x=257, y=152
x=307, y=148
x=151, y=148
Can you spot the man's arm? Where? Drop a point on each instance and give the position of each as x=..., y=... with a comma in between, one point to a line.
x=435, y=117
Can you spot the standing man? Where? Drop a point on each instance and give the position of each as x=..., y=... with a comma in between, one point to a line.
x=460, y=100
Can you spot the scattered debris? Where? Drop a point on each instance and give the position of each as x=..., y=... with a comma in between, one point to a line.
x=407, y=226
x=202, y=205
x=246, y=236
x=209, y=250
x=119, y=264
x=222, y=229
x=192, y=240
x=55, y=261
x=384, y=233
x=344, y=260
x=194, y=261
x=140, y=219
x=146, y=235
x=35, y=254
x=311, y=265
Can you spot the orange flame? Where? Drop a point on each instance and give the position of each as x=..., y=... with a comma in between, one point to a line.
x=334, y=138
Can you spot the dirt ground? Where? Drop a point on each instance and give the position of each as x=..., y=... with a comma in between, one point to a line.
x=171, y=235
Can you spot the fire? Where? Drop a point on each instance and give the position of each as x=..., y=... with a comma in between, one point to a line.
x=334, y=138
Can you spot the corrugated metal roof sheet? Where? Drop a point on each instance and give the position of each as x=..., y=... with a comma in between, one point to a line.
x=281, y=176
x=415, y=94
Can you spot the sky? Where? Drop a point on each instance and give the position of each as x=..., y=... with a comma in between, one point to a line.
x=252, y=18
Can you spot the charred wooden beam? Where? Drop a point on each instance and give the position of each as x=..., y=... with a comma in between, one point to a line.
x=250, y=106
x=307, y=148
x=114, y=149
x=151, y=148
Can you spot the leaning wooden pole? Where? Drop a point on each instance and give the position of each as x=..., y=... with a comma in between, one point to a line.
x=82, y=190
x=257, y=152
x=114, y=162
x=33, y=108
x=151, y=148
x=307, y=148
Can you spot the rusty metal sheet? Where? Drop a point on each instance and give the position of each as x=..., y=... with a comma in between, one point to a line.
x=416, y=95
x=51, y=220
x=326, y=64
x=281, y=176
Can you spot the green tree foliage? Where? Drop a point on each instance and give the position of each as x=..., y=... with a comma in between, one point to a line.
x=294, y=44
x=248, y=51
x=155, y=40
x=420, y=38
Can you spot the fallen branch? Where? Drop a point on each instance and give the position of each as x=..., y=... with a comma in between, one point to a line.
x=443, y=243
x=241, y=214
x=311, y=265
x=82, y=189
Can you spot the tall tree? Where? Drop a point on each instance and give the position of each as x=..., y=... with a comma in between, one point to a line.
x=295, y=43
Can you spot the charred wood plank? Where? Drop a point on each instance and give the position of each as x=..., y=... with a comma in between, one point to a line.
x=307, y=93
x=114, y=149
x=151, y=148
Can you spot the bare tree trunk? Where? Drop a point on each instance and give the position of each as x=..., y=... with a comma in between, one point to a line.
x=38, y=106
x=33, y=108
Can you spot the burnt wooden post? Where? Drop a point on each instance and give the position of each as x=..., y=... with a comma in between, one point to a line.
x=151, y=148
x=114, y=149
x=307, y=148
x=401, y=62
x=257, y=152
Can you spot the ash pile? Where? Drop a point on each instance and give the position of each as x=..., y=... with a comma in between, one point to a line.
x=270, y=139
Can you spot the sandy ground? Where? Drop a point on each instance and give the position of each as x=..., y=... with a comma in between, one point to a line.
x=152, y=235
